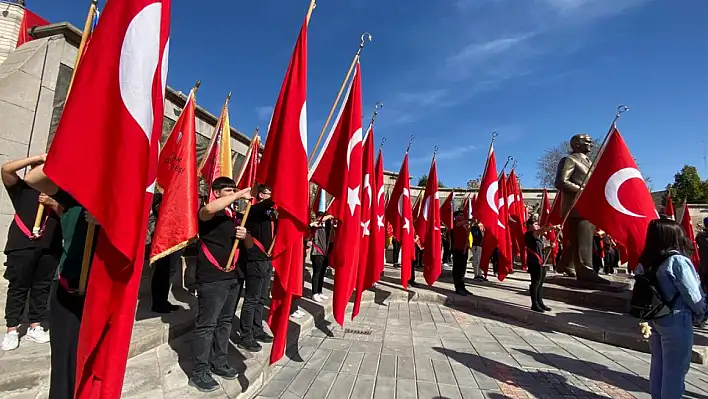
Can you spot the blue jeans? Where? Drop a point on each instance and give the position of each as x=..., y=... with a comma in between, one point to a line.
x=671, y=344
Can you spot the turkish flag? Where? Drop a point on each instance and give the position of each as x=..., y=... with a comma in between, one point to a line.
x=473, y=206
x=29, y=21
x=247, y=175
x=428, y=228
x=416, y=209
x=487, y=211
x=366, y=274
x=210, y=168
x=105, y=150
x=669, y=209
x=338, y=170
x=545, y=209
x=399, y=213
x=283, y=168
x=176, y=224
x=446, y=211
x=503, y=232
x=616, y=199
x=555, y=217
x=516, y=221
x=688, y=229
x=377, y=250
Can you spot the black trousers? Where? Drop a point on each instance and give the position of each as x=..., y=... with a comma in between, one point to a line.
x=65, y=316
x=163, y=270
x=396, y=250
x=30, y=272
x=538, y=276
x=258, y=274
x=446, y=251
x=216, y=306
x=459, y=269
x=318, y=273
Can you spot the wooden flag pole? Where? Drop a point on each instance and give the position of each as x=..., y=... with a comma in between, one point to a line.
x=364, y=36
x=84, y=38
x=254, y=153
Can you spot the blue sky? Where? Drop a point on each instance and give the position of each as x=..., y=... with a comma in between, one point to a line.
x=452, y=71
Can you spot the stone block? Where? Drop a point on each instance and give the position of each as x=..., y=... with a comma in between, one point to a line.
x=342, y=387
x=17, y=123
x=302, y=382
x=321, y=386
x=21, y=89
x=363, y=387
x=406, y=389
x=42, y=121
x=427, y=390
x=385, y=388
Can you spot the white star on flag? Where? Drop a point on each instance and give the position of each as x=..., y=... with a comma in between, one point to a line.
x=353, y=198
x=406, y=225
x=379, y=221
x=365, y=231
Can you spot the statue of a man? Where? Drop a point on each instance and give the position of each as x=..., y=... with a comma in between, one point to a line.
x=570, y=175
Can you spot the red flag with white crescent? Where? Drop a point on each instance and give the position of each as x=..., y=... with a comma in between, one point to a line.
x=503, y=232
x=429, y=232
x=446, y=211
x=688, y=229
x=378, y=229
x=399, y=213
x=283, y=168
x=366, y=274
x=616, y=198
x=338, y=170
x=487, y=211
x=115, y=112
x=247, y=174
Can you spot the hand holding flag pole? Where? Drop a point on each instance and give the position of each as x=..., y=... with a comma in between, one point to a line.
x=620, y=110
x=36, y=229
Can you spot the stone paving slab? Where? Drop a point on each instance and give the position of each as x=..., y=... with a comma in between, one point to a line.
x=464, y=356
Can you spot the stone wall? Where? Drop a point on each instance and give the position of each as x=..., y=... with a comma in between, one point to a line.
x=10, y=21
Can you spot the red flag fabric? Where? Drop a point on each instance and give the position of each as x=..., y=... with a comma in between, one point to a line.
x=283, y=167
x=247, y=175
x=416, y=209
x=487, y=211
x=446, y=211
x=616, y=198
x=399, y=213
x=428, y=228
x=29, y=21
x=367, y=268
x=555, y=217
x=210, y=167
x=176, y=224
x=115, y=111
x=688, y=229
x=379, y=233
x=516, y=221
x=338, y=170
x=669, y=209
x=503, y=232
x=545, y=209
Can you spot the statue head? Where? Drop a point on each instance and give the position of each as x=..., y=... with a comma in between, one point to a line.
x=581, y=143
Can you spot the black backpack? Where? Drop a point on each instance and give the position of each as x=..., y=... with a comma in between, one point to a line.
x=647, y=302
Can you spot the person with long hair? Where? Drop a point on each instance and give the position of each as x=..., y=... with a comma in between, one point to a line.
x=679, y=284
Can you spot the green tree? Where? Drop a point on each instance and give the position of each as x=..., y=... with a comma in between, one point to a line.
x=689, y=186
x=423, y=181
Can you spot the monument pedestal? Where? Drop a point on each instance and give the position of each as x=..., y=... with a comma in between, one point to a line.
x=613, y=297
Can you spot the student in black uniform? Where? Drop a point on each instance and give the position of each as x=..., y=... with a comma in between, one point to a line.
x=32, y=259
x=257, y=270
x=67, y=303
x=534, y=259
x=318, y=254
x=218, y=289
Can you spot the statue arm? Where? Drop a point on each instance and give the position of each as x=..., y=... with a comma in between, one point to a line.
x=566, y=168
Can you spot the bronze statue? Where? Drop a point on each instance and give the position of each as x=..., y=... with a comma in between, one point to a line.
x=570, y=175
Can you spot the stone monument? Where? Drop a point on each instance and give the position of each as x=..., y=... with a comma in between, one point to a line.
x=576, y=260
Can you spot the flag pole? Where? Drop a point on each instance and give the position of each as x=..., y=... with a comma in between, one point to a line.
x=254, y=153
x=364, y=36
x=620, y=110
x=84, y=38
x=377, y=107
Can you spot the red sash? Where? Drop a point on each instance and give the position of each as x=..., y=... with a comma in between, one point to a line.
x=212, y=260
x=259, y=244
x=540, y=260
x=27, y=231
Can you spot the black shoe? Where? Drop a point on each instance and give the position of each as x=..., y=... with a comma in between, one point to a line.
x=263, y=337
x=226, y=371
x=250, y=345
x=165, y=308
x=413, y=284
x=204, y=382
x=468, y=292
x=461, y=292
x=544, y=307
x=537, y=309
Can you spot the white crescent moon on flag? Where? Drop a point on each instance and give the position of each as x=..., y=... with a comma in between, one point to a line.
x=510, y=200
x=303, y=125
x=491, y=193
x=613, y=185
x=380, y=195
x=425, y=208
x=139, y=58
x=367, y=186
x=165, y=66
x=400, y=201
x=356, y=139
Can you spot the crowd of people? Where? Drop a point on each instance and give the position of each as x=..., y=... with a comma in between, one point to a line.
x=38, y=259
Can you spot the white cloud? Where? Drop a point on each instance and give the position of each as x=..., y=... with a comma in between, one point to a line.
x=483, y=50
x=264, y=113
x=452, y=153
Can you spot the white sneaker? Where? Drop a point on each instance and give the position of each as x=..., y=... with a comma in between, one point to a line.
x=11, y=341
x=317, y=297
x=298, y=314
x=38, y=335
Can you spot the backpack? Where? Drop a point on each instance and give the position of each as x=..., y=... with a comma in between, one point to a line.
x=647, y=302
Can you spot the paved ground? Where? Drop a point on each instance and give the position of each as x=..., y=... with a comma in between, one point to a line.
x=417, y=350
